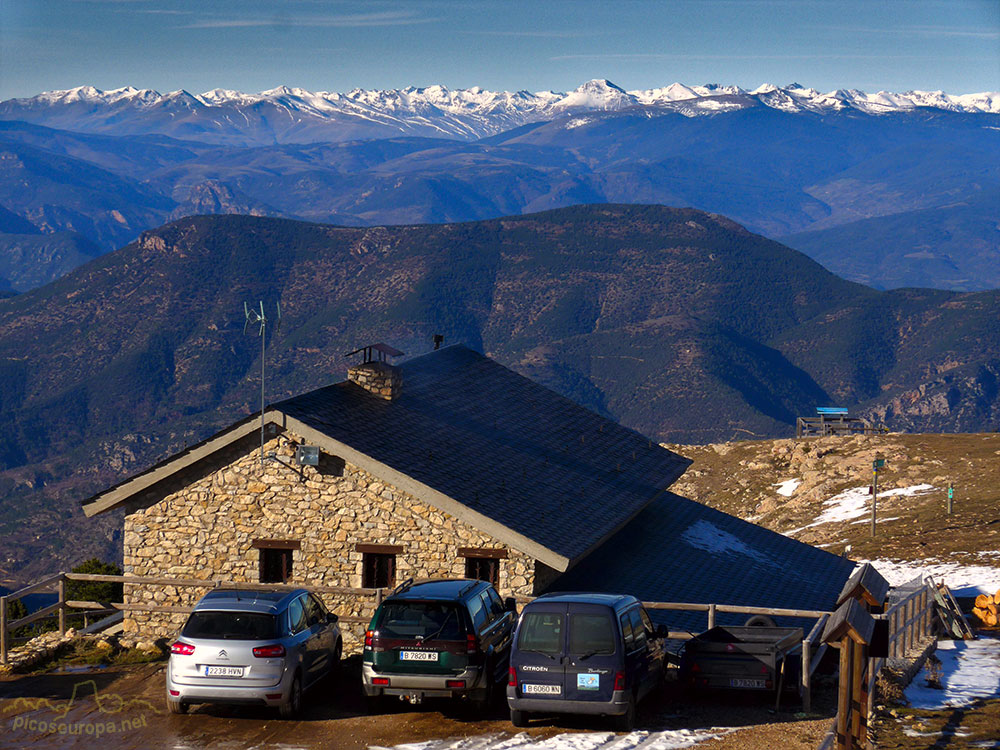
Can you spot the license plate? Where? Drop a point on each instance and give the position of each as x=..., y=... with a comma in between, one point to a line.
x=746, y=683
x=541, y=689
x=418, y=655
x=211, y=671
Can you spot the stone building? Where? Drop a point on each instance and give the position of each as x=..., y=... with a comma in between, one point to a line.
x=448, y=465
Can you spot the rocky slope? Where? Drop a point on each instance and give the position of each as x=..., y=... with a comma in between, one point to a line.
x=816, y=490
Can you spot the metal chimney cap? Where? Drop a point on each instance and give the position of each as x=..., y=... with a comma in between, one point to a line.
x=384, y=350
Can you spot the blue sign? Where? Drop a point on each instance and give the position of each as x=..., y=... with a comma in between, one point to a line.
x=588, y=681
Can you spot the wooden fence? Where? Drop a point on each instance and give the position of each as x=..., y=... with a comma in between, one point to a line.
x=910, y=624
x=62, y=606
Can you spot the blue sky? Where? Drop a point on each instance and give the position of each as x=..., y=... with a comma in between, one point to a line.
x=334, y=45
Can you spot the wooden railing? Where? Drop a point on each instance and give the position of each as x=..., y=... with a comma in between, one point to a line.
x=910, y=624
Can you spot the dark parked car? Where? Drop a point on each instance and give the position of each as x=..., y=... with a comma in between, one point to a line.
x=252, y=647
x=439, y=639
x=596, y=654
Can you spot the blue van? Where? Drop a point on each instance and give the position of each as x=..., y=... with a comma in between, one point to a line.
x=596, y=654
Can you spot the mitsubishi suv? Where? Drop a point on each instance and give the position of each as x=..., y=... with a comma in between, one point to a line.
x=439, y=639
x=252, y=647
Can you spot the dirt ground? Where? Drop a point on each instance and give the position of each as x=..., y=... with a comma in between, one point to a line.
x=55, y=709
x=976, y=726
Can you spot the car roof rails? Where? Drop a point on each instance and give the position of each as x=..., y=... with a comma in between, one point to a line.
x=402, y=587
x=466, y=589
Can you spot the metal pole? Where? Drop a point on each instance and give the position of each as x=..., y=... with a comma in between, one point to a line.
x=262, y=339
x=3, y=629
x=874, y=497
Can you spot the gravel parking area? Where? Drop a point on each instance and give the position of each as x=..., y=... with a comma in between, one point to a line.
x=124, y=707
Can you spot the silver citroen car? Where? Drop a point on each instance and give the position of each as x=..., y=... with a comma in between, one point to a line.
x=254, y=648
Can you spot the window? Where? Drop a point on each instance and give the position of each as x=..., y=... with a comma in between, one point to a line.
x=483, y=569
x=378, y=565
x=406, y=619
x=379, y=571
x=590, y=634
x=296, y=616
x=482, y=563
x=478, y=611
x=542, y=632
x=275, y=559
x=495, y=603
x=638, y=630
x=242, y=626
x=275, y=565
x=647, y=623
x=627, y=633
x=315, y=612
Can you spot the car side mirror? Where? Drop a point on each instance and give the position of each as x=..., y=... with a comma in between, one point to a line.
x=332, y=618
x=510, y=604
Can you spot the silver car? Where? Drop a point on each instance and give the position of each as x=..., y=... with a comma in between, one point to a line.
x=254, y=648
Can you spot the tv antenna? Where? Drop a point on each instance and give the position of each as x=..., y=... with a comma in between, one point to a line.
x=259, y=319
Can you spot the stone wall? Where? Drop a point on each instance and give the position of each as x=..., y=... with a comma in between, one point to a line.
x=206, y=529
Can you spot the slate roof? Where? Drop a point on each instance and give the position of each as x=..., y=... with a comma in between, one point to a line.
x=501, y=445
x=677, y=550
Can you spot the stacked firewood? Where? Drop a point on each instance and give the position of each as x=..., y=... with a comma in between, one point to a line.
x=987, y=608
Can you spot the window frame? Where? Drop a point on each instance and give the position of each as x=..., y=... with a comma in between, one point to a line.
x=371, y=573
x=273, y=559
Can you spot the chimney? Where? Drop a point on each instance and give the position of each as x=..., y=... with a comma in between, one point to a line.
x=375, y=374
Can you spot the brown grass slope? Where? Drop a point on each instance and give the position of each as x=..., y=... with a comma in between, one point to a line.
x=742, y=478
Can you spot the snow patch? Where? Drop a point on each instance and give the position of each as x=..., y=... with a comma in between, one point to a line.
x=787, y=486
x=970, y=671
x=854, y=503
x=673, y=739
x=709, y=537
x=963, y=580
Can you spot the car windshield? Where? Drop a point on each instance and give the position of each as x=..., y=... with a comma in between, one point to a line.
x=591, y=634
x=542, y=632
x=242, y=626
x=424, y=620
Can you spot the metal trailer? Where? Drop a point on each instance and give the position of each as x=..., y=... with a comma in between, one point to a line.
x=744, y=658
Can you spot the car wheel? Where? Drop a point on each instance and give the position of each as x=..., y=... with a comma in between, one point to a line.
x=338, y=652
x=626, y=722
x=376, y=704
x=518, y=718
x=290, y=708
x=177, y=707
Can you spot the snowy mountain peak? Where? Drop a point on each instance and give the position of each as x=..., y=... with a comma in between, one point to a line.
x=436, y=110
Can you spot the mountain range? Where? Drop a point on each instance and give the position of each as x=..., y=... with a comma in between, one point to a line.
x=676, y=322
x=294, y=115
x=862, y=182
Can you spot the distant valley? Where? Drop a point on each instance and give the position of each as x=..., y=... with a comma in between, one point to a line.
x=677, y=323
x=891, y=190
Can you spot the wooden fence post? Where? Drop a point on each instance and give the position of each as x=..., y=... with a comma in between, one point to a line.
x=711, y=616
x=3, y=629
x=806, y=676
x=844, y=694
x=62, y=605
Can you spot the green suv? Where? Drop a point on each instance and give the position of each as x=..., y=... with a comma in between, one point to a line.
x=439, y=639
